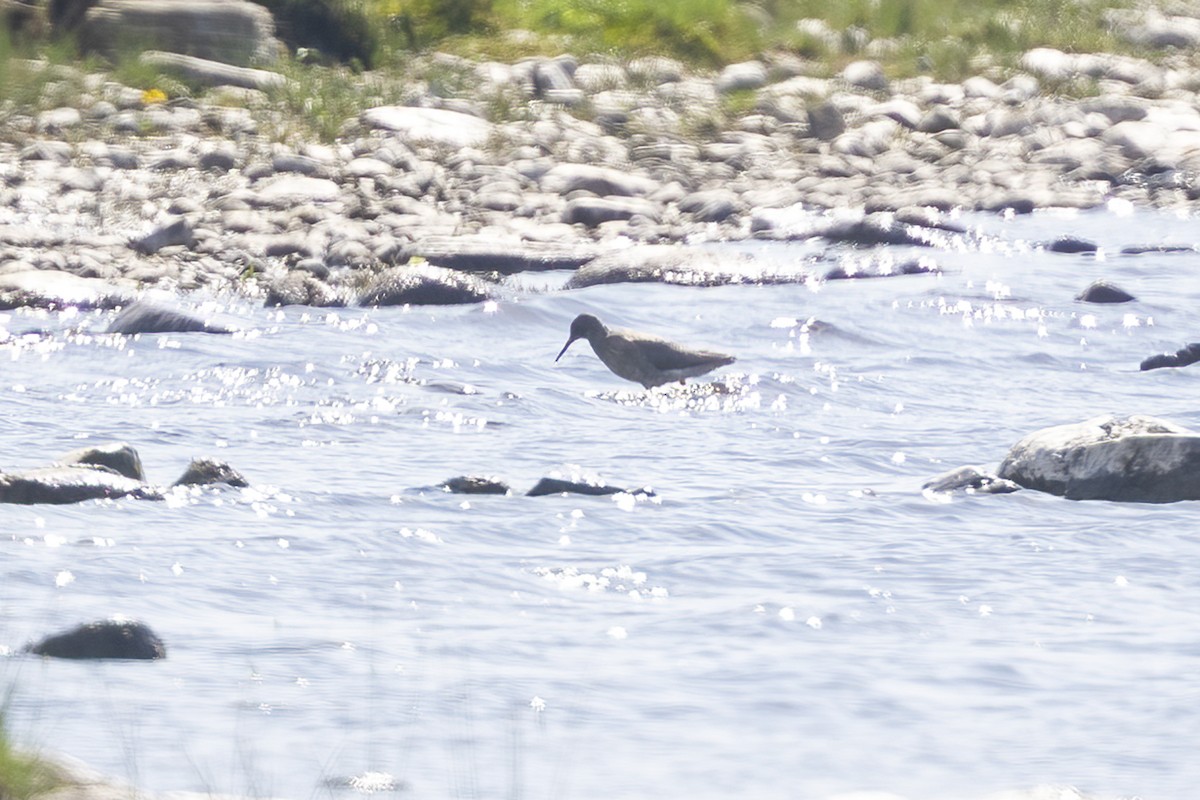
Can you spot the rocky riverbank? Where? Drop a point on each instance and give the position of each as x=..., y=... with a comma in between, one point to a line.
x=549, y=162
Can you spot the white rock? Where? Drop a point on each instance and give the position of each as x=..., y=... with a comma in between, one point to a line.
x=298, y=187
x=1136, y=139
x=865, y=75
x=58, y=119
x=741, y=77
x=1130, y=459
x=430, y=125
x=1048, y=63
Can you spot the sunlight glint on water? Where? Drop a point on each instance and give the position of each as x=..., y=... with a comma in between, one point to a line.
x=786, y=616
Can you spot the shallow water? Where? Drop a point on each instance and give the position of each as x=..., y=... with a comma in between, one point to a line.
x=788, y=616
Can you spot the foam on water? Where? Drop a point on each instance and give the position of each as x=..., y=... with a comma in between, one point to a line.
x=787, y=616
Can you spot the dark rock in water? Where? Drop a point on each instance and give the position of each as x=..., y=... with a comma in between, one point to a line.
x=53, y=289
x=423, y=285
x=558, y=486
x=474, y=484
x=1071, y=244
x=1135, y=459
x=119, y=457
x=506, y=258
x=870, y=230
x=67, y=484
x=688, y=266
x=176, y=232
x=1104, y=292
x=144, y=317
x=300, y=288
x=922, y=217
x=106, y=639
x=1189, y=354
x=910, y=267
x=1140, y=249
x=971, y=480
x=208, y=471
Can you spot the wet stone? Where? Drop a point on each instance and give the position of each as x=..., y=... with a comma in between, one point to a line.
x=1104, y=292
x=106, y=639
x=474, y=484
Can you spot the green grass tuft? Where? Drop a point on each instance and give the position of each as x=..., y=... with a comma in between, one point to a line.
x=22, y=776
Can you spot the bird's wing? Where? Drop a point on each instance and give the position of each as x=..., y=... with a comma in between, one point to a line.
x=666, y=355
x=626, y=357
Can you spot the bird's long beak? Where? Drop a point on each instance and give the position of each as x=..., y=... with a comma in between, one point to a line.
x=565, y=346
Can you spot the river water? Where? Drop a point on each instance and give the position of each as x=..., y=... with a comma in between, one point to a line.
x=788, y=616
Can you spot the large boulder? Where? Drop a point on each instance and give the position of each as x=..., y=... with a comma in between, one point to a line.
x=119, y=457
x=70, y=484
x=230, y=31
x=1135, y=459
x=111, y=638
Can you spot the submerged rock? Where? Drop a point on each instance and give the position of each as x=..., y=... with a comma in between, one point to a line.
x=559, y=486
x=1132, y=459
x=971, y=480
x=504, y=257
x=872, y=230
x=145, y=317
x=106, y=639
x=1072, y=244
x=675, y=264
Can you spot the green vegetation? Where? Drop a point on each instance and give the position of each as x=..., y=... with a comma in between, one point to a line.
x=334, y=41
x=948, y=38
x=21, y=776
